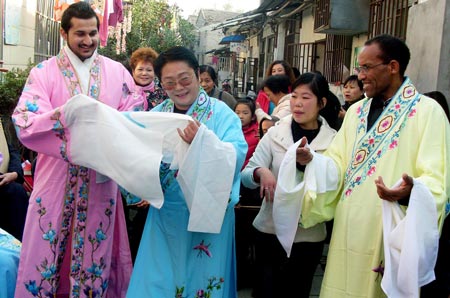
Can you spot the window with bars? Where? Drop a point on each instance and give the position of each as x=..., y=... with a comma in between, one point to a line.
x=47, y=37
x=302, y=56
x=389, y=17
x=262, y=49
x=338, y=50
x=322, y=14
x=292, y=32
x=224, y=63
x=269, y=51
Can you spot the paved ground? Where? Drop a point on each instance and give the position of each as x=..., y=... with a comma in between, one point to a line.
x=315, y=290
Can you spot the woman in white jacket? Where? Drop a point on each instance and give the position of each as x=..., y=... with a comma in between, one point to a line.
x=278, y=275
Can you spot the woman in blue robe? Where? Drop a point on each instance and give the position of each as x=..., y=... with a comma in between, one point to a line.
x=172, y=261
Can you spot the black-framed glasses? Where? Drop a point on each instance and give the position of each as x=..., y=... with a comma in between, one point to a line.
x=366, y=68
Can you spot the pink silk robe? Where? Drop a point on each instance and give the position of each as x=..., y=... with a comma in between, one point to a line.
x=75, y=240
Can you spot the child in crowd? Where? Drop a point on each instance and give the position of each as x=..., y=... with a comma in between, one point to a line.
x=245, y=109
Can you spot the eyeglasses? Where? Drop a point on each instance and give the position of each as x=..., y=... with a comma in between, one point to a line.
x=366, y=68
x=184, y=81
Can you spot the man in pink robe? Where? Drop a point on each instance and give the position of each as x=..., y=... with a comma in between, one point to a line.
x=75, y=241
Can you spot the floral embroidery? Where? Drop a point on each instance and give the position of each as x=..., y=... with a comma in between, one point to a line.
x=155, y=96
x=90, y=279
x=179, y=292
x=213, y=284
x=385, y=124
x=360, y=157
x=32, y=106
x=71, y=78
x=371, y=171
x=409, y=91
x=393, y=144
x=377, y=141
x=125, y=90
x=58, y=128
x=94, y=91
x=87, y=279
x=33, y=288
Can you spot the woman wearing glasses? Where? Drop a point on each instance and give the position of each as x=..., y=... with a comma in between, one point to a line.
x=175, y=260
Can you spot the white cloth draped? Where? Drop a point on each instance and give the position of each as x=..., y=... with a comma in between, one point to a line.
x=410, y=243
x=207, y=172
x=128, y=148
x=320, y=176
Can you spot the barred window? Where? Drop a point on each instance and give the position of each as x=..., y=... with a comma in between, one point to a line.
x=302, y=56
x=47, y=39
x=269, y=51
x=262, y=58
x=322, y=14
x=389, y=17
x=338, y=50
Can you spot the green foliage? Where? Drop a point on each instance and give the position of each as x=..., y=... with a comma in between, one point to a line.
x=11, y=87
x=153, y=26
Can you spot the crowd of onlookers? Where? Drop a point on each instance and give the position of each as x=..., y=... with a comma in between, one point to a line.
x=300, y=167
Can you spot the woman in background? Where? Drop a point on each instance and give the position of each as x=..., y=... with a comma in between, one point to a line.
x=141, y=63
x=208, y=81
x=277, y=89
x=136, y=209
x=353, y=92
x=277, y=67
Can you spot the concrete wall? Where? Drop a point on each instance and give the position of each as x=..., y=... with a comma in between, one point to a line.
x=19, y=55
x=428, y=40
x=209, y=40
x=254, y=47
x=279, y=55
x=307, y=31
